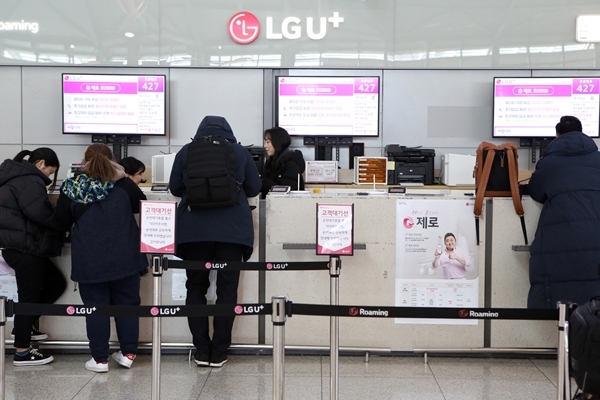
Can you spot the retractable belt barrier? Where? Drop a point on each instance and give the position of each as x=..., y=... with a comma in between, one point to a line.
x=77, y=310
x=424, y=312
x=246, y=266
x=280, y=308
x=291, y=309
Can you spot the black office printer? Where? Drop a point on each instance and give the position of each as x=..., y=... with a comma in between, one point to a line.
x=259, y=154
x=412, y=165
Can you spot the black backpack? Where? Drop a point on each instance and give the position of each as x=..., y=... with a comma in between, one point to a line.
x=584, y=346
x=211, y=169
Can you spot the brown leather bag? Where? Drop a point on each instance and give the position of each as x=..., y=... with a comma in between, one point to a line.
x=497, y=175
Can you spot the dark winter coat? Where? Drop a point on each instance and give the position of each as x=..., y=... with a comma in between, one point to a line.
x=284, y=172
x=25, y=211
x=105, y=244
x=566, y=250
x=222, y=224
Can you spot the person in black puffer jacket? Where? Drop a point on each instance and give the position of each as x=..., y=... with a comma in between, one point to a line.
x=284, y=166
x=28, y=241
x=214, y=234
x=566, y=249
x=105, y=248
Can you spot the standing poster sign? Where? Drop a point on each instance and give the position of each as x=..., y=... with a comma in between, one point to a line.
x=157, y=227
x=335, y=229
x=436, y=257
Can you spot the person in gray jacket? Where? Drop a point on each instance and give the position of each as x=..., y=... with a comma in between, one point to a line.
x=214, y=234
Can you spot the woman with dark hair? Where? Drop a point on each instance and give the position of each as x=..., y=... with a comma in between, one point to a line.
x=283, y=166
x=105, y=248
x=134, y=169
x=28, y=240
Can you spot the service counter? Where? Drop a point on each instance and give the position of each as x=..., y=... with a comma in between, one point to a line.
x=174, y=330
x=367, y=278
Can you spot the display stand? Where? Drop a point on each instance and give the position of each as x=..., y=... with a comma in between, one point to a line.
x=538, y=146
x=324, y=146
x=278, y=317
x=119, y=143
x=2, y=345
x=157, y=270
x=335, y=265
x=564, y=377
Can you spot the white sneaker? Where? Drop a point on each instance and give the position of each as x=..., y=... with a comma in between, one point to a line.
x=92, y=365
x=124, y=360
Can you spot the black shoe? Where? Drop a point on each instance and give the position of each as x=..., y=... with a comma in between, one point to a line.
x=218, y=361
x=201, y=359
x=32, y=358
x=35, y=334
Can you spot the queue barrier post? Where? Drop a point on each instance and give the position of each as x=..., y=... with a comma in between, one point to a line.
x=564, y=378
x=335, y=264
x=278, y=317
x=157, y=270
x=2, y=345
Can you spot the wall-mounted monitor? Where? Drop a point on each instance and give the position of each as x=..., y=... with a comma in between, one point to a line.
x=328, y=105
x=114, y=104
x=531, y=107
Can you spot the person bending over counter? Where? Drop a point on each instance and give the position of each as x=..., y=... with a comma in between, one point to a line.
x=284, y=166
x=566, y=249
x=453, y=260
x=134, y=169
x=105, y=248
x=28, y=241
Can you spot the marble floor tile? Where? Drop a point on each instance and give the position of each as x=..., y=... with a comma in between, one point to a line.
x=260, y=387
x=306, y=377
x=496, y=389
x=485, y=368
x=356, y=388
x=263, y=365
x=380, y=366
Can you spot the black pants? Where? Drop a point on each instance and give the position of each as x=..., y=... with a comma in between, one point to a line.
x=197, y=286
x=38, y=281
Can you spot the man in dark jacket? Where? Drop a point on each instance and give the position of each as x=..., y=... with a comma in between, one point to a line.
x=214, y=234
x=566, y=250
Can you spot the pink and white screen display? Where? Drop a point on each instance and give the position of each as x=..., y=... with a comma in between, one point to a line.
x=328, y=106
x=114, y=104
x=531, y=107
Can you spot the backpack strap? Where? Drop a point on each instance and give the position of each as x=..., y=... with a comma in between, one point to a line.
x=482, y=177
x=513, y=173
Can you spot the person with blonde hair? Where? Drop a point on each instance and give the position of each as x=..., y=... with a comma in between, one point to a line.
x=106, y=258
x=28, y=240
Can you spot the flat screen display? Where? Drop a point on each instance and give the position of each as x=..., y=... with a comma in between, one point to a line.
x=531, y=107
x=114, y=104
x=328, y=106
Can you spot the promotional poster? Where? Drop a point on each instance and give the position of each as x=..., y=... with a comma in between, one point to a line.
x=436, y=257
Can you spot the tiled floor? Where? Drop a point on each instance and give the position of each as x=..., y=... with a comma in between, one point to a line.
x=306, y=377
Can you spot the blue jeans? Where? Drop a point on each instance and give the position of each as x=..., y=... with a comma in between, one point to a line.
x=122, y=292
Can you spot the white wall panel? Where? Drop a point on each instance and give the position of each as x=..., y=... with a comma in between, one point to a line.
x=234, y=94
x=10, y=105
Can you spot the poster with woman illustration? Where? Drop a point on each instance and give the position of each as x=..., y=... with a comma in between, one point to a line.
x=436, y=257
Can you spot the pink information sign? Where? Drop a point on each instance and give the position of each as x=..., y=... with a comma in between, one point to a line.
x=157, y=227
x=335, y=229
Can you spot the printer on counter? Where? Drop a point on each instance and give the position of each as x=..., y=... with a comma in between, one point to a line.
x=411, y=165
